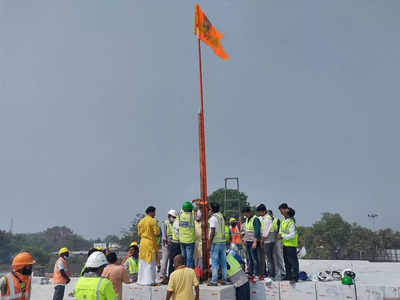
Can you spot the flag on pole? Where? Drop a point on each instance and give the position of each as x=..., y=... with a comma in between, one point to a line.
x=206, y=32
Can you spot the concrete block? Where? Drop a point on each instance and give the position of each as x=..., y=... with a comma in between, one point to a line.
x=139, y=292
x=370, y=292
x=217, y=293
x=272, y=290
x=257, y=290
x=300, y=291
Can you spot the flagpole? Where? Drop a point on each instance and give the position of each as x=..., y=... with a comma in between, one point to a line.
x=203, y=174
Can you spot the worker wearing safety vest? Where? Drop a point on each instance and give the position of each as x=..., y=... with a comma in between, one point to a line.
x=236, y=275
x=16, y=285
x=278, y=249
x=252, y=238
x=91, y=286
x=268, y=238
x=187, y=234
x=235, y=232
x=227, y=235
x=132, y=263
x=174, y=247
x=61, y=274
x=166, y=234
x=289, y=237
x=216, y=245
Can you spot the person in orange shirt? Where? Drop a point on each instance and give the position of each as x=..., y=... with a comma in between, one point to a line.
x=61, y=274
x=16, y=285
x=115, y=273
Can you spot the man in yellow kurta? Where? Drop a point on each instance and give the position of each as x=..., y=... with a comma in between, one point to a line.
x=148, y=231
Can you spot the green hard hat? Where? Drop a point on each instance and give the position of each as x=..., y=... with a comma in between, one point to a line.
x=347, y=280
x=187, y=206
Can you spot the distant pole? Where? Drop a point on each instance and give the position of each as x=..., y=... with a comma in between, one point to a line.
x=373, y=216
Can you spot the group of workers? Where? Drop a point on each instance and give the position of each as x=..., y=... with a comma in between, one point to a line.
x=269, y=245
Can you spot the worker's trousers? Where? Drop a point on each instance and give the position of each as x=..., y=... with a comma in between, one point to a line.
x=187, y=251
x=164, y=261
x=59, y=292
x=291, y=263
x=252, y=258
x=269, y=253
x=174, y=250
x=278, y=260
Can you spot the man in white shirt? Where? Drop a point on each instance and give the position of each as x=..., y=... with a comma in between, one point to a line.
x=268, y=238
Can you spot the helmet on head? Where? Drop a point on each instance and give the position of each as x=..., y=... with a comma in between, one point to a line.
x=347, y=280
x=62, y=251
x=99, y=248
x=133, y=244
x=21, y=260
x=187, y=206
x=232, y=220
x=173, y=213
x=96, y=260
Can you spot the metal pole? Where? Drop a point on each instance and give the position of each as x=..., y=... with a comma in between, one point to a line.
x=203, y=175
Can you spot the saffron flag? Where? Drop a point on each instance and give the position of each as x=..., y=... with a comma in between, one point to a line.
x=206, y=32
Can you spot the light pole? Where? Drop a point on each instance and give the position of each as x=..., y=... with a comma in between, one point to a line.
x=373, y=217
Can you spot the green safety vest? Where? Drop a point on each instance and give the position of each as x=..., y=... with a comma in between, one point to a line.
x=219, y=236
x=249, y=224
x=187, y=233
x=274, y=225
x=285, y=230
x=94, y=288
x=83, y=269
x=234, y=266
x=132, y=266
x=169, y=228
x=227, y=234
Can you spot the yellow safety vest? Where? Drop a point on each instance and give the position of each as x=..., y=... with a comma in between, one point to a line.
x=263, y=223
x=227, y=234
x=234, y=266
x=187, y=233
x=94, y=288
x=219, y=236
x=132, y=266
x=249, y=224
x=293, y=242
x=274, y=225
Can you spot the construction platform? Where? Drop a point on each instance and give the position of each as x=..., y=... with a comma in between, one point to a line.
x=374, y=281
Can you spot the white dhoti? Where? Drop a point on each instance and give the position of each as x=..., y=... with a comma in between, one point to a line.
x=147, y=272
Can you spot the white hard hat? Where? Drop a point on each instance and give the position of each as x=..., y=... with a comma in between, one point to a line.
x=96, y=259
x=173, y=213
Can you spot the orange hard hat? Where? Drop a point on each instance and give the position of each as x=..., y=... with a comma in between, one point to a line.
x=22, y=259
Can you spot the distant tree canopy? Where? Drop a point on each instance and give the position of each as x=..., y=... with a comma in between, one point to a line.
x=130, y=234
x=331, y=237
x=40, y=244
x=237, y=200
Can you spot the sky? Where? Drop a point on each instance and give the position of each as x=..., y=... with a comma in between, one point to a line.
x=99, y=103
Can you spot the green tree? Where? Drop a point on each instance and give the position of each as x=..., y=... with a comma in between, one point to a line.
x=131, y=234
x=233, y=206
x=332, y=235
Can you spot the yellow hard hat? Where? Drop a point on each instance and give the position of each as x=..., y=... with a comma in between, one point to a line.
x=99, y=248
x=133, y=244
x=232, y=220
x=62, y=251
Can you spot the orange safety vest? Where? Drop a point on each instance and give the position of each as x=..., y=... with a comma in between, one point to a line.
x=15, y=290
x=235, y=235
x=57, y=277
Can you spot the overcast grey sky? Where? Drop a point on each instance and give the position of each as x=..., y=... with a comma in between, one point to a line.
x=99, y=101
